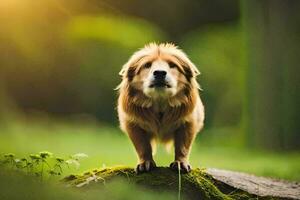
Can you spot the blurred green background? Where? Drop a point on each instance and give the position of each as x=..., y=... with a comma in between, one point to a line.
x=59, y=64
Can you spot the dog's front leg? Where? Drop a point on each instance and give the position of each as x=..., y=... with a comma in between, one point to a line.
x=183, y=139
x=142, y=143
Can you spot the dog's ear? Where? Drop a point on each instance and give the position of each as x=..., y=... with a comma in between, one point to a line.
x=127, y=71
x=195, y=69
x=189, y=68
x=122, y=72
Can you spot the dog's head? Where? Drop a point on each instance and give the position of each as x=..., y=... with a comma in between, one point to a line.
x=159, y=71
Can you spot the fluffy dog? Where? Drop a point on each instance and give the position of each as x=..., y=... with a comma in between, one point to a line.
x=159, y=101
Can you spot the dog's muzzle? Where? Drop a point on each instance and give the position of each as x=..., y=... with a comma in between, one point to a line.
x=159, y=79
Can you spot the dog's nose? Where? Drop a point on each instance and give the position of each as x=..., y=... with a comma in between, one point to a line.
x=159, y=74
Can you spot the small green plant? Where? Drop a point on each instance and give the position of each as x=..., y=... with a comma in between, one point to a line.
x=179, y=182
x=43, y=164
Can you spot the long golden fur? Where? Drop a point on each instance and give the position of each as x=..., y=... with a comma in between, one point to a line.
x=169, y=112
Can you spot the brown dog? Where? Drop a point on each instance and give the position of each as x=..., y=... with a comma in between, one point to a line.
x=159, y=100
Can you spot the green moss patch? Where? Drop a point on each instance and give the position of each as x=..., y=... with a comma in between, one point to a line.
x=195, y=185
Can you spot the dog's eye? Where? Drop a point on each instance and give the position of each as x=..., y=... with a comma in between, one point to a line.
x=147, y=65
x=172, y=65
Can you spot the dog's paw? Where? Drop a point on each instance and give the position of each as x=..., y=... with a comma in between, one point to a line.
x=146, y=166
x=184, y=167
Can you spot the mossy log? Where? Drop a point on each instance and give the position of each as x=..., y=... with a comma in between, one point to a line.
x=198, y=184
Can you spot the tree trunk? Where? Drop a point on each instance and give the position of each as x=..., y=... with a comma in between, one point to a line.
x=204, y=184
x=273, y=84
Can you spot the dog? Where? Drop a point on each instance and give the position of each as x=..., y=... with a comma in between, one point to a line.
x=159, y=101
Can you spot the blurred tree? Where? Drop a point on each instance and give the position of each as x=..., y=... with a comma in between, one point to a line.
x=177, y=17
x=273, y=73
x=218, y=51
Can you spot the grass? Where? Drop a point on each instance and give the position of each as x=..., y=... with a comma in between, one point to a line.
x=18, y=186
x=107, y=146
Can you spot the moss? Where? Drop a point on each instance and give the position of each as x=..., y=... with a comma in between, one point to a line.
x=195, y=185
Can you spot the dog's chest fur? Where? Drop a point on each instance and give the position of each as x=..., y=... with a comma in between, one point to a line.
x=162, y=129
